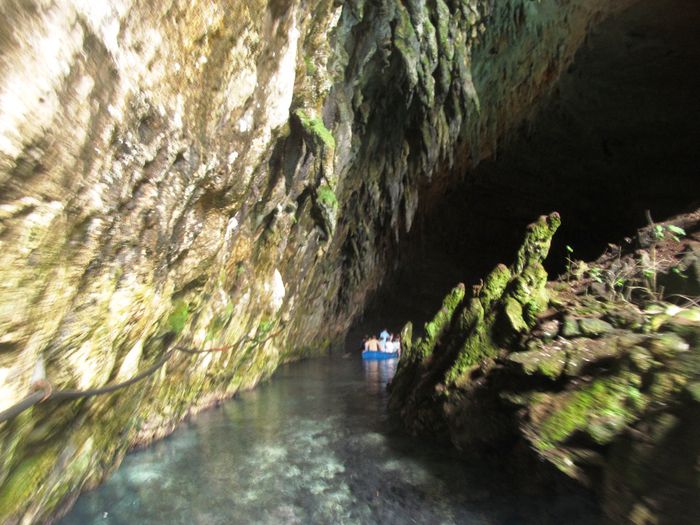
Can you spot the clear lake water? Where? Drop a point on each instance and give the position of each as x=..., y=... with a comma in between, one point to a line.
x=314, y=445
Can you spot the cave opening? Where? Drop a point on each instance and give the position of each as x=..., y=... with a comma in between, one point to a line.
x=615, y=138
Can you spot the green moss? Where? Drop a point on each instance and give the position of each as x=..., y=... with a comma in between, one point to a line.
x=178, y=317
x=665, y=384
x=407, y=338
x=477, y=347
x=327, y=197
x=219, y=322
x=310, y=66
x=407, y=44
x=443, y=30
x=694, y=391
x=600, y=409
x=315, y=127
x=532, y=309
x=262, y=332
x=532, y=279
x=641, y=358
x=570, y=327
x=76, y=469
x=514, y=313
x=543, y=360
x=504, y=305
x=472, y=316
x=537, y=241
x=24, y=482
x=594, y=327
x=494, y=285
x=265, y=326
x=439, y=323
x=551, y=368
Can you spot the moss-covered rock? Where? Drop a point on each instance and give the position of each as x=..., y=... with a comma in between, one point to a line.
x=316, y=129
x=597, y=386
x=466, y=334
x=507, y=293
x=594, y=327
x=546, y=360
x=234, y=168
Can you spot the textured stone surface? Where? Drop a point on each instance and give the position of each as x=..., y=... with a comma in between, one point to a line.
x=473, y=332
x=613, y=406
x=187, y=173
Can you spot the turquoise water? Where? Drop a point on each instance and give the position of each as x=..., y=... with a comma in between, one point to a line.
x=312, y=446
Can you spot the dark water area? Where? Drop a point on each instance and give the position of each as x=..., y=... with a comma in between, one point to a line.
x=313, y=446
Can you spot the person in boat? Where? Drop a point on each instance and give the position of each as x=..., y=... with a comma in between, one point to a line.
x=365, y=343
x=389, y=345
x=383, y=338
x=372, y=344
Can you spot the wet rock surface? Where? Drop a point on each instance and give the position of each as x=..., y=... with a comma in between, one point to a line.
x=601, y=382
x=190, y=174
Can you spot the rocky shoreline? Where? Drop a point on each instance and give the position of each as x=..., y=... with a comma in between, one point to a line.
x=597, y=372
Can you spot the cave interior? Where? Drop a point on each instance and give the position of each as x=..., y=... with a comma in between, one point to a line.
x=611, y=146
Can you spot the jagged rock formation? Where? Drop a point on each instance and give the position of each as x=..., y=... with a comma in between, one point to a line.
x=189, y=173
x=595, y=372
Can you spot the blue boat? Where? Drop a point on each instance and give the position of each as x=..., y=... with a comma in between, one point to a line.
x=369, y=354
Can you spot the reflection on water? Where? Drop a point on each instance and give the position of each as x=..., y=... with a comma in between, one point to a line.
x=378, y=374
x=313, y=446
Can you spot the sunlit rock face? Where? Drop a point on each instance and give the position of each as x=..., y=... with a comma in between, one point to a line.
x=217, y=174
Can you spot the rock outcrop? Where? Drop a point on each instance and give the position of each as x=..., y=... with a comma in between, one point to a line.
x=597, y=373
x=199, y=174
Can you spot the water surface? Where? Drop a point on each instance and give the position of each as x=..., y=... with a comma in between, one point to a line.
x=312, y=446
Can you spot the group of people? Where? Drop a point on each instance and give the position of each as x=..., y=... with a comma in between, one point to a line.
x=386, y=342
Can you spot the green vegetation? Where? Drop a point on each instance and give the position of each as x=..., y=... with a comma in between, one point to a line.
x=601, y=410
x=569, y=260
x=315, y=127
x=23, y=482
x=516, y=293
x=310, y=66
x=596, y=274
x=478, y=346
x=265, y=326
x=219, y=322
x=437, y=326
x=178, y=317
x=327, y=197
x=494, y=285
x=263, y=331
x=675, y=232
x=514, y=312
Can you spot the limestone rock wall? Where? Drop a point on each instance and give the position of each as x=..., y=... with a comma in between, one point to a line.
x=223, y=174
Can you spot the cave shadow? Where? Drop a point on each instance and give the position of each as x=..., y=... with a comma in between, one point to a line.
x=614, y=144
x=616, y=139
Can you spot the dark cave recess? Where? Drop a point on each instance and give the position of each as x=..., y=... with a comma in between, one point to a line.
x=619, y=135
